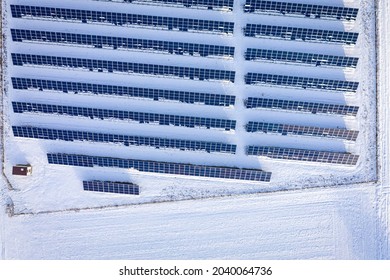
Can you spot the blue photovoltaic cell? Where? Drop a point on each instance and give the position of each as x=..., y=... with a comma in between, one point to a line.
x=133, y=92
x=111, y=187
x=300, y=9
x=97, y=41
x=301, y=58
x=300, y=82
x=161, y=167
x=287, y=129
x=303, y=155
x=121, y=19
x=303, y=34
x=123, y=67
x=141, y=117
x=127, y=140
x=221, y=5
x=301, y=106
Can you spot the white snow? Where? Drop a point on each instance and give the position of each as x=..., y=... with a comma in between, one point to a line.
x=349, y=220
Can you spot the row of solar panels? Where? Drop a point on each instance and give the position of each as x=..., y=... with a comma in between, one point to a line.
x=300, y=9
x=259, y=6
x=181, y=96
x=205, y=170
x=219, y=5
x=180, y=48
x=184, y=24
x=172, y=168
x=185, y=121
x=111, y=187
x=179, y=144
x=182, y=72
x=123, y=91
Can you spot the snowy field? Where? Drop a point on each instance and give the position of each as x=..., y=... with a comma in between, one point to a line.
x=341, y=221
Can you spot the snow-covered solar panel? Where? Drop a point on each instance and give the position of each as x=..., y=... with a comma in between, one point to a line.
x=122, y=19
x=299, y=130
x=123, y=67
x=111, y=187
x=126, y=140
x=301, y=106
x=300, y=9
x=132, y=92
x=97, y=41
x=297, y=33
x=303, y=155
x=161, y=167
x=219, y=5
x=300, y=58
x=300, y=82
x=140, y=117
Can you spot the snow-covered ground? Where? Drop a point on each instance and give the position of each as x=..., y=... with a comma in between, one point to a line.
x=341, y=222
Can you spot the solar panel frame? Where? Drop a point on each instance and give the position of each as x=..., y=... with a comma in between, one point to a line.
x=111, y=187
x=302, y=34
x=314, y=59
x=301, y=106
x=167, y=71
x=218, y=5
x=299, y=130
x=122, y=43
x=301, y=9
x=140, y=117
x=172, y=168
x=126, y=140
x=122, y=19
x=300, y=82
x=123, y=91
x=303, y=155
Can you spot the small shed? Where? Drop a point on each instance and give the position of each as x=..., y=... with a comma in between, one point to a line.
x=22, y=169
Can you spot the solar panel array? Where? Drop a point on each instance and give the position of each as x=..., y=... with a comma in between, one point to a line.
x=97, y=41
x=303, y=155
x=287, y=129
x=123, y=67
x=307, y=10
x=161, y=167
x=301, y=106
x=198, y=4
x=82, y=33
x=127, y=140
x=114, y=90
x=122, y=19
x=303, y=34
x=300, y=82
x=301, y=58
x=111, y=187
x=141, y=117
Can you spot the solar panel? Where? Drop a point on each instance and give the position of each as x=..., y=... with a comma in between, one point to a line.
x=126, y=140
x=161, y=167
x=287, y=129
x=300, y=82
x=123, y=67
x=303, y=155
x=301, y=58
x=301, y=106
x=140, y=117
x=121, y=43
x=111, y=187
x=303, y=34
x=219, y=5
x=122, y=19
x=300, y=9
x=122, y=91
